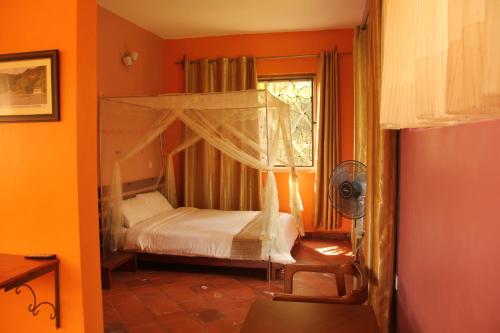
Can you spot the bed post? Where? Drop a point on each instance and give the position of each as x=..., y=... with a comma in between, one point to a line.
x=269, y=269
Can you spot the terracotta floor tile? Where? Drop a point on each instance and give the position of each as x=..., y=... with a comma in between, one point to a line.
x=115, y=328
x=220, y=280
x=111, y=316
x=139, y=282
x=172, y=298
x=225, y=303
x=155, y=274
x=173, y=317
x=159, y=305
x=237, y=315
x=179, y=293
x=152, y=327
x=243, y=292
x=163, y=280
x=203, y=288
x=233, y=285
x=180, y=322
x=221, y=326
x=146, y=290
x=118, y=288
x=123, y=298
x=210, y=315
x=105, y=303
x=135, y=313
x=192, y=279
x=195, y=306
x=127, y=276
x=254, y=283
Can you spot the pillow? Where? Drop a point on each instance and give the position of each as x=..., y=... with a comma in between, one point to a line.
x=142, y=207
x=155, y=202
x=134, y=211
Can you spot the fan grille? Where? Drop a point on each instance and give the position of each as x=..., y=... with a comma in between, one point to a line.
x=347, y=189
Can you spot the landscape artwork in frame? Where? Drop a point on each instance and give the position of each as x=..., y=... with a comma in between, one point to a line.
x=29, y=86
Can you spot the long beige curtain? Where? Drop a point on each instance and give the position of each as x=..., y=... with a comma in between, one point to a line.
x=212, y=179
x=325, y=216
x=360, y=106
x=377, y=148
x=441, y=62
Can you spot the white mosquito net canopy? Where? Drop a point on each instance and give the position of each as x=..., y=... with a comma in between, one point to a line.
x=251, y=127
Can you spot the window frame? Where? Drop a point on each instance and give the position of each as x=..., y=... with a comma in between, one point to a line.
x=298, y=77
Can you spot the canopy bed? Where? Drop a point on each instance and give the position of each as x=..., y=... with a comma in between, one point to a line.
x=251, y=127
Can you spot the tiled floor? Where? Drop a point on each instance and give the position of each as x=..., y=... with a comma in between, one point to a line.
x=175, y=298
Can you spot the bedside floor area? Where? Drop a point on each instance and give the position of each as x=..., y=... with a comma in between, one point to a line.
x=161, y=298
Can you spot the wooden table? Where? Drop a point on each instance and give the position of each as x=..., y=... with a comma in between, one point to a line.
x=16, y=272
x=289, y=317
x=111, y=261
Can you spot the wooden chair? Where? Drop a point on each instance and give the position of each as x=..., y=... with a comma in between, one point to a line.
x=357, y=296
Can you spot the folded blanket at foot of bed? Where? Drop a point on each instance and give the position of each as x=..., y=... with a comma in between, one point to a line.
x=246, y=244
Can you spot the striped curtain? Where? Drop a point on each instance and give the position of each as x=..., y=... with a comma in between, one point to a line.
x=211, y=179
x=325, y=216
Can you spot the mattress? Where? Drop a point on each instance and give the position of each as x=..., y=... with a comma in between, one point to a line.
x=193, y=232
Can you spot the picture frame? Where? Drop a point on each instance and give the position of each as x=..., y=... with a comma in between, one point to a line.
x=29, y=86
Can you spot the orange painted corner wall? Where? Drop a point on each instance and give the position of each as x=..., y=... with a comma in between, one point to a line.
x=48, y=201
x=115, y=36
x=270, y=44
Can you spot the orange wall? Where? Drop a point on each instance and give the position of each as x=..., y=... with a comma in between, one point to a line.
x=117, y=35
x=276, y=44
x=146, y=77
x=47, y=170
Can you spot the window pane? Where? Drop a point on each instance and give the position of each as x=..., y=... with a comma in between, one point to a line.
x=298, y=94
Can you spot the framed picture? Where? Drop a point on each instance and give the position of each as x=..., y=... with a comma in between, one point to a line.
x=29, y=86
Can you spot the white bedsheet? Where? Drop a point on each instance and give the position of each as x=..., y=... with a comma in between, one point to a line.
x=190, y=231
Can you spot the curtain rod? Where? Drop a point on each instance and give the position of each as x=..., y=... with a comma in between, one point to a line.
x=311, y=55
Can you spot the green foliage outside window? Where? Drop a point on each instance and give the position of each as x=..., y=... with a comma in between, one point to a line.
x=298, y=93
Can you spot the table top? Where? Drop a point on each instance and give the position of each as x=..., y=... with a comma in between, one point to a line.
x=14, y=267
x=280, y=316
x=115, y=259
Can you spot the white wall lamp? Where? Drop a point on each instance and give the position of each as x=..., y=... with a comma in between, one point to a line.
x=129, y=58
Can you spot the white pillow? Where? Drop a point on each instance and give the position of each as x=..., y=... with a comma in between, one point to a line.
x=155, y=202
x=142, y=207
x=134, y=211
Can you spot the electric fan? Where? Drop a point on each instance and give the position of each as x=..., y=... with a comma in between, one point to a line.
x=347, y=191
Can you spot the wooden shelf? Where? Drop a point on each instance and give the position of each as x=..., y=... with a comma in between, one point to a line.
x=16, y=272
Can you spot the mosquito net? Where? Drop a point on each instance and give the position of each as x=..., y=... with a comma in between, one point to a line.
x=249, y=126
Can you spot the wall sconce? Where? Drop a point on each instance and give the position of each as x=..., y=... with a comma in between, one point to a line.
x=129, y=58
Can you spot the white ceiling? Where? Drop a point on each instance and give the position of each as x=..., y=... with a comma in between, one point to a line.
x=171, y=19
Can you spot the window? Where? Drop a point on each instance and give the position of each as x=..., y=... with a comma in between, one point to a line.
x=298, y=93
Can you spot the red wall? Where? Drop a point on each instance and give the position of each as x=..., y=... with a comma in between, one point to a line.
x=267, y=45
x=449, y=228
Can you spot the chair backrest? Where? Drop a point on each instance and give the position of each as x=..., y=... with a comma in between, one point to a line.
x=358, y=295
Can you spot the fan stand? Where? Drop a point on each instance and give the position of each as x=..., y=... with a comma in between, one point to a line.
x=359, y=234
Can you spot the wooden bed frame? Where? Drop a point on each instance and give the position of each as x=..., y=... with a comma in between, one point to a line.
x=206, y=261
x=130, y=189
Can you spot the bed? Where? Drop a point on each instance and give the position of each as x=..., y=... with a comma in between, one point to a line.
x=157, y=232
x=252, y=127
